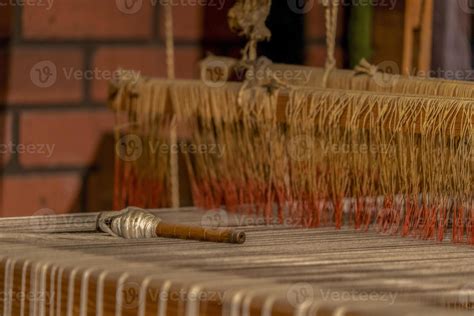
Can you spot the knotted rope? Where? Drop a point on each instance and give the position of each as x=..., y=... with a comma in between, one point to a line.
x=332, y=7
x=364, y=67
x=260, y=75
x=247, y=18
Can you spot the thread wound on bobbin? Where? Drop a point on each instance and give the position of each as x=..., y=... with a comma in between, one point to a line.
x=129, y=223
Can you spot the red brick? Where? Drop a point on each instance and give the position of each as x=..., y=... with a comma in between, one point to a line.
x=187, y=59
x=148, y=61
x=316, y=56
x=76, y=137
x=187, y=22
x=5, y=21
x=315, y=22
x=31, y=194
x=90, y=19
x=6, y=136
x=24, y=80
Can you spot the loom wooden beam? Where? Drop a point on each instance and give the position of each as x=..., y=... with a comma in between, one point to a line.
x=219, y=69
x=417, y=38
x=282, y=103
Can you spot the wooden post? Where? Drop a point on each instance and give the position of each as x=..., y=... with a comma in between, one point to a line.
x=417, y=38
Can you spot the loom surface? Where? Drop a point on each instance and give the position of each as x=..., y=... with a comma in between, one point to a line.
x=280, y=270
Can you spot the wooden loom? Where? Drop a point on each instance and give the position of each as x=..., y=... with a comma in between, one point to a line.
x=420, y=120
x=279, y=173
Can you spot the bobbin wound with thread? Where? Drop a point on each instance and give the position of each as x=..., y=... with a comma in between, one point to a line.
x=136, y=223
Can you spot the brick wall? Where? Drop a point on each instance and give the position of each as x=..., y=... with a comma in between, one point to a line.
x=56, y=57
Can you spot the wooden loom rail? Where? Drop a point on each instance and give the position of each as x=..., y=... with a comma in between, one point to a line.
x=218, y=68
x=452, y=126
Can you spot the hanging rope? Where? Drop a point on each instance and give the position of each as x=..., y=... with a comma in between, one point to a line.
x=332, y=7
x=174, y=168
x=247, y=18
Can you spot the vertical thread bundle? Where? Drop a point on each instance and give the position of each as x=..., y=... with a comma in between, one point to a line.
x=402, y=164
x=141, y=167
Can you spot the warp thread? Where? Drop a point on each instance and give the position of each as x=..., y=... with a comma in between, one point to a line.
x=170, y=66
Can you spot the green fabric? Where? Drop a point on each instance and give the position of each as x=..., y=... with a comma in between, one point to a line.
x=360, y=33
